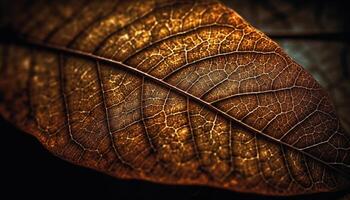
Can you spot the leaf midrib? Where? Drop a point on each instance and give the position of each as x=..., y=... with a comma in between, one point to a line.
x=51, y=47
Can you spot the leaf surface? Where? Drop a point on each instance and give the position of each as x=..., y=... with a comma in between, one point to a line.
x=314, y=34
x=173, y=92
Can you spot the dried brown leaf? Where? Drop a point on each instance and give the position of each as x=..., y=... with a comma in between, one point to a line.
x=173, y=92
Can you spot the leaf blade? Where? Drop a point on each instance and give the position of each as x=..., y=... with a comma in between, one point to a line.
x=243, y=46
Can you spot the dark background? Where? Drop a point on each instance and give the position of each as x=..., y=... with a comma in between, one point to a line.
x=315, y=33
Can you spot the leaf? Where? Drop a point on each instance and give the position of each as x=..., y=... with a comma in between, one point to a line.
x=171, y=92
x=304, y=30
x=330, y=70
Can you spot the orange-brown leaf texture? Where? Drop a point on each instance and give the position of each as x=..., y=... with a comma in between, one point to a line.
x=314, y=33
x=173, y=92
